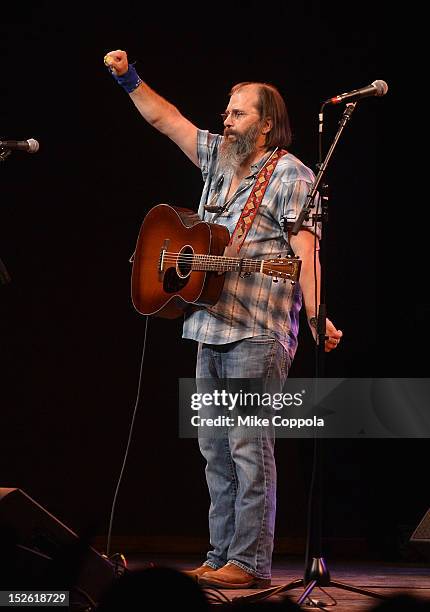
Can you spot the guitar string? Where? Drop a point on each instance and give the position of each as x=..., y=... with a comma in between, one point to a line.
x=194, y=255
x=221, y=260
x=184, y=257
x=181, y=254
x=222, y=263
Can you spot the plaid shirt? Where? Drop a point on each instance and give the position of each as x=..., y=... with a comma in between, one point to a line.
x=252, y=305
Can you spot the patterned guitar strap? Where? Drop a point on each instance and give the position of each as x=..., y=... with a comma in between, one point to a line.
x=250, y=209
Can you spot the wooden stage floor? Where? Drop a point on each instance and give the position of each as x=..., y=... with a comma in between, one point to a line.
x=385, y=578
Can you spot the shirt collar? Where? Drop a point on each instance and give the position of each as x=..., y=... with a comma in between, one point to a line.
x=255, y=168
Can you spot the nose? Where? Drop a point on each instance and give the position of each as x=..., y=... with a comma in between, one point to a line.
x=228, y=120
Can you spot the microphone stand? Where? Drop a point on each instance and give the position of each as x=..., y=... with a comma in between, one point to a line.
x=316, y=572
x=4, y=274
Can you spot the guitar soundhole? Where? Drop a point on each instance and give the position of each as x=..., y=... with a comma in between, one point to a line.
x=172, y=283
x=175, y=279
x=183, y=263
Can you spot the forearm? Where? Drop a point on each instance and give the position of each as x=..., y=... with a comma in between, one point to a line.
x=310, y=275
x=310, y=281
x=166, y=118
x=303, y=245
x=157, y=111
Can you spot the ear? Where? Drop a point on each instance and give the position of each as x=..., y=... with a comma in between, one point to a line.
x=267, y=125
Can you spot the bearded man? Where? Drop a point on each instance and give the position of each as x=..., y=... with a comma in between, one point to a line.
x=251, y=332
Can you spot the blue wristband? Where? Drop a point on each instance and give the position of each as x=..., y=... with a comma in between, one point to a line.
x=130, y=80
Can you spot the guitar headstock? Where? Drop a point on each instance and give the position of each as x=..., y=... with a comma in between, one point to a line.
x=287, y=268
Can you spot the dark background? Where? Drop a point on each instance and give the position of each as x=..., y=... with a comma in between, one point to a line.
x=71, y=341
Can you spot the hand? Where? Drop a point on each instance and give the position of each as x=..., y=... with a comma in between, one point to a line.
x=333, y=336
x=117, y=62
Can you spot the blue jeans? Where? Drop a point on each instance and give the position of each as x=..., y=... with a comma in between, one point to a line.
x=241, y=469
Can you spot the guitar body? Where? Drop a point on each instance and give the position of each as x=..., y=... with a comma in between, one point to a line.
x=163, y=285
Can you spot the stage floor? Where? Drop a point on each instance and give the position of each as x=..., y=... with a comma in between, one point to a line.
x=384, y=578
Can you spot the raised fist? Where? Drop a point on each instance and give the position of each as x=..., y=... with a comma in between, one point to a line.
x=117, y=62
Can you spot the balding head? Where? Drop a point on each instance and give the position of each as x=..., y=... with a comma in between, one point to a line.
x=270, y=105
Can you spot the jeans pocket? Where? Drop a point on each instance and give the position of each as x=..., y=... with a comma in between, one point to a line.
x=261, y=340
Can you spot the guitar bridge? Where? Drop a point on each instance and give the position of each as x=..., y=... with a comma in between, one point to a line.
x=162, y=257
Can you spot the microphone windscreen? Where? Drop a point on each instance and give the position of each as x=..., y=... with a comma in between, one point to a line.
x=381, y=87
x=33, y=145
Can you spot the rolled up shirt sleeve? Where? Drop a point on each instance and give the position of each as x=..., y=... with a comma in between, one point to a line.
x=295, y=198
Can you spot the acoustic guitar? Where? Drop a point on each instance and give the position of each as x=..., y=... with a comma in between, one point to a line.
x=179, y=261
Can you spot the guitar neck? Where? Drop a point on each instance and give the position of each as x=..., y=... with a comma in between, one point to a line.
x=287, y=267
x=220, y=263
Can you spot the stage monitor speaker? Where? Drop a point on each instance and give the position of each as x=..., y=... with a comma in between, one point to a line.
x=421, y=536
x=37, y=548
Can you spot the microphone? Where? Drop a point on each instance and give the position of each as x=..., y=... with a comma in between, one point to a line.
x=31, y=145
x=377, y=88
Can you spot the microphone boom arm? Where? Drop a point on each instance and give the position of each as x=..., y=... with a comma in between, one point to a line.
x=305, y=212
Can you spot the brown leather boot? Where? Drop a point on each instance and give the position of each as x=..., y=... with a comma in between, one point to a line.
x=199, y=571
x=233, y=577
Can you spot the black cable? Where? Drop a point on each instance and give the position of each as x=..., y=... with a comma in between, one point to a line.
x=4, y=274
x=128, y=441
x=93, y=604
x=310, y=503
x=322, y=605
x=314, y=458
x=215, y=596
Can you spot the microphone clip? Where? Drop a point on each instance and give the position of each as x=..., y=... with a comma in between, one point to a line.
x=213, y=208
x=4, y=153
x=346, y=115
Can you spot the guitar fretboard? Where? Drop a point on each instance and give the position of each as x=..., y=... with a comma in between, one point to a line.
x=223, y=264
x=187, y=262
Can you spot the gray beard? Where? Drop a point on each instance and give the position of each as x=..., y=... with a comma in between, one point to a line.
x=232, y=154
